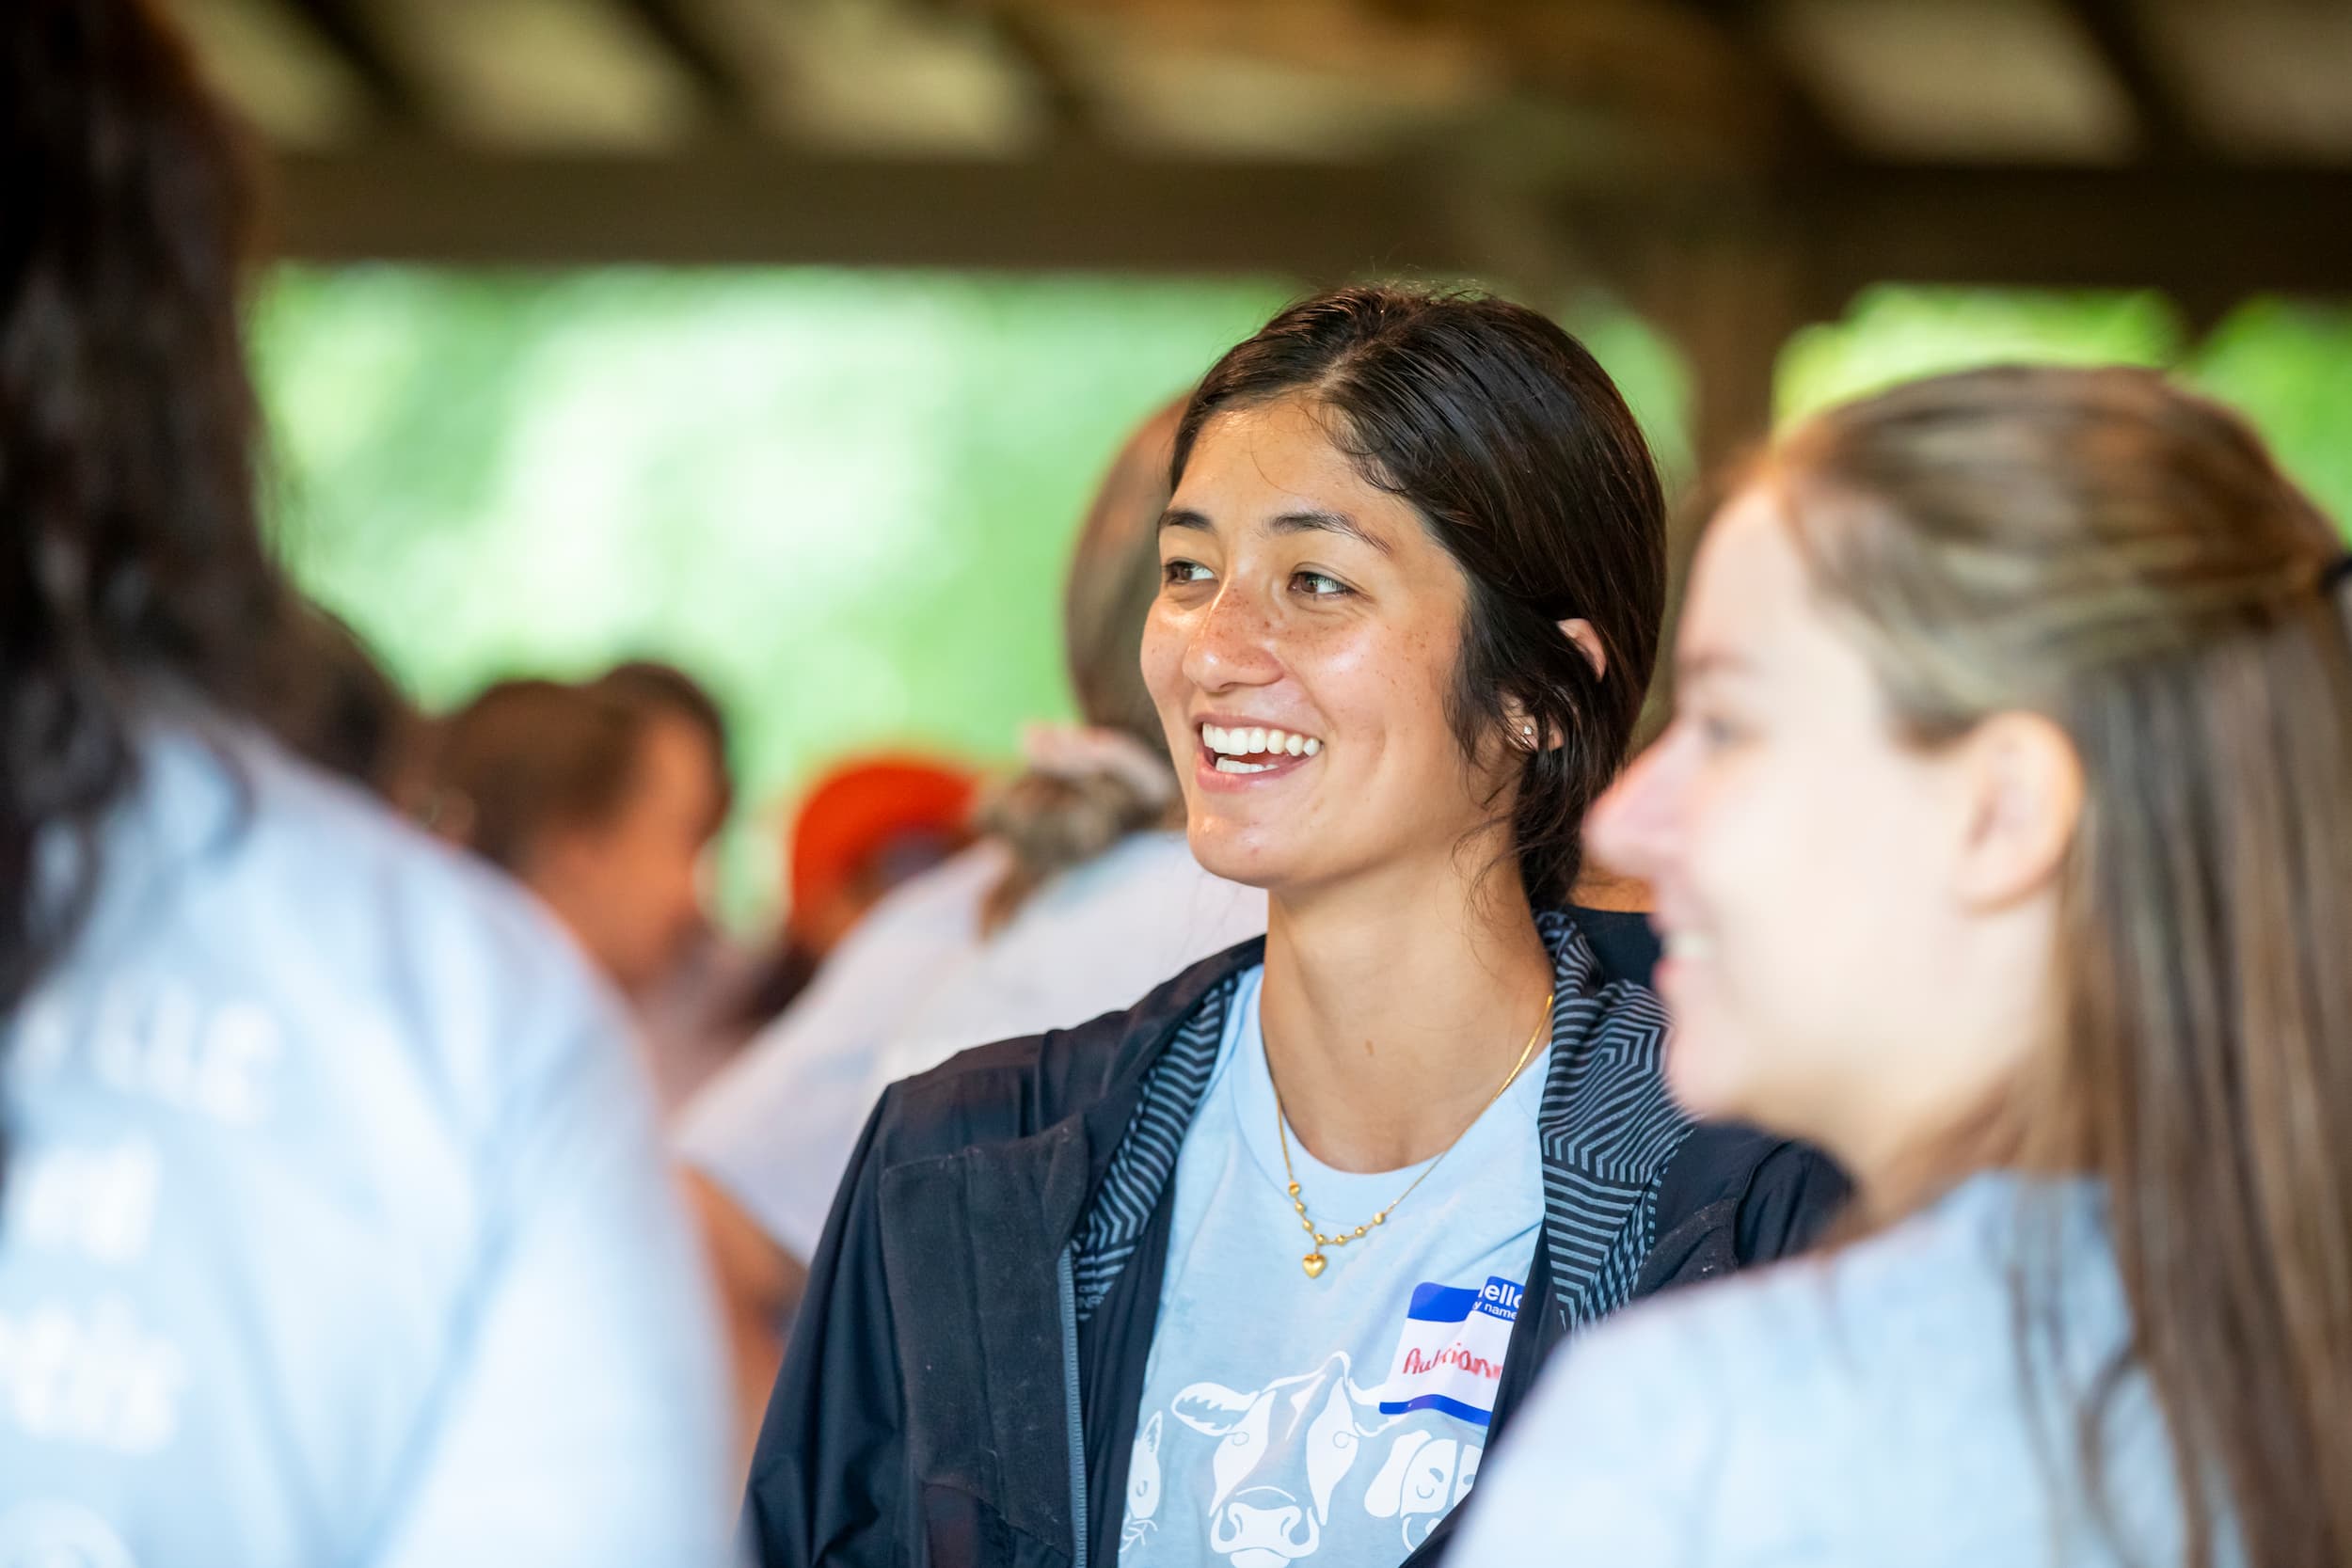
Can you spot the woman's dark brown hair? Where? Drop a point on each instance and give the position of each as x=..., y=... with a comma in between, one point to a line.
x=2105, y=550
x=1523, y=459
x=133, y=574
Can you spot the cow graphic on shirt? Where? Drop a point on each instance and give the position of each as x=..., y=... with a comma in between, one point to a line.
x=1282, y=1452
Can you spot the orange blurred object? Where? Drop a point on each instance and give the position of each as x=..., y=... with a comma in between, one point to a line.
x=857, y=821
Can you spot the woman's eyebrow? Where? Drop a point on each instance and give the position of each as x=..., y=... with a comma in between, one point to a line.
x=1329, y=522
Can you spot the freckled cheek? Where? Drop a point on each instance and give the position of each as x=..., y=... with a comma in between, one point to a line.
x=1164, y=665
x=1366, y=683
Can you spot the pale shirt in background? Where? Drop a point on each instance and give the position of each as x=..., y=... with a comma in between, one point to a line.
x=916, y=982
x=337, y=1230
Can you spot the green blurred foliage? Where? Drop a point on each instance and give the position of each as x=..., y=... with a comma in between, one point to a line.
x=2286, y=366
x=842, y=500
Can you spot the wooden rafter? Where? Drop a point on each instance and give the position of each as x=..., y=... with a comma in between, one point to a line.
x=345, y=28
x=715, y=74
x=2199, y=234
x=2116, y=30
x=1745, y=25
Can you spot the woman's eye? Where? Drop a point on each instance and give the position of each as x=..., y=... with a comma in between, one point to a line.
x=1174, y=572
x=1319, y=585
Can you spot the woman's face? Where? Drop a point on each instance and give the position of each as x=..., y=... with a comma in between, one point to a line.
x=1300, y=656
x=630, y=886
x=1851, y=939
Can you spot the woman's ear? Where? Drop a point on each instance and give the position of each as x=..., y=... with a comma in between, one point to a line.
x=1580, y=631
x=2025, y=787
x=1522, y=729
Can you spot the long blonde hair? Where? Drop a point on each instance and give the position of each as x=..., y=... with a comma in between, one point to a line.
x=2101, y=548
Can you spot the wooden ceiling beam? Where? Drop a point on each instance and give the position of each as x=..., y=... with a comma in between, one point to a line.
x=2118, y=33
x=717, y=77
x=2207, y=236
x=347, y=30
x=741, y=201
x=1805, y=132
x=2202, y=234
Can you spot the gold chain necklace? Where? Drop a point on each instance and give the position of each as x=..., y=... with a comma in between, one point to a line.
x=1314, y=1262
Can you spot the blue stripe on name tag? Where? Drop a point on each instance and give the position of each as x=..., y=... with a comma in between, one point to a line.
x=1440, y=1303
x=1439, y=1403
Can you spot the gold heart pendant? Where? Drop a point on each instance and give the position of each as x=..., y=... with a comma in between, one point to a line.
x=1312, y=1263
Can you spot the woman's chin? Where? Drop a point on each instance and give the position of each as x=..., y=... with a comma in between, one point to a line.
x=1223, y=853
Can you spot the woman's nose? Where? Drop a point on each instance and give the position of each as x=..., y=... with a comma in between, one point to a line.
x=1635, y=828
x=1232, y=644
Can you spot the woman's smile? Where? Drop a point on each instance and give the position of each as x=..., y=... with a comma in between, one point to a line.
x=1235, y=753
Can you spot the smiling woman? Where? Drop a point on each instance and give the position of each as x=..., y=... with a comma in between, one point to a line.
x=1412, y=579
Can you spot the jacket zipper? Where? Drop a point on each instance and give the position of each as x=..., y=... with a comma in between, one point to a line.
x=1066, y=1281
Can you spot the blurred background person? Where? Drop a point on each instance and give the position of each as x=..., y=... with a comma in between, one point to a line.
x=1080, y=895
x=336, y=1226
x=600, y=798
x=349, y=717
x=2003, y=846
x=864, y=827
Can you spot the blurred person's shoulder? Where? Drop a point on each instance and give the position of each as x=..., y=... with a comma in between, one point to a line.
x=312, y=899
x=1022, y=1084
x=1888, y=1369
x=1098, y=937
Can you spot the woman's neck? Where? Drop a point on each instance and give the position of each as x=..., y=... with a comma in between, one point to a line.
x=1392, y=1011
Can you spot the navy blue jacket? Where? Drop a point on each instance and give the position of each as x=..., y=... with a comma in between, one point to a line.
x=962, y=1386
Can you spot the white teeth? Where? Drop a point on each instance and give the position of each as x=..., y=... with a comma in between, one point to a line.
x=1250, y=740
x=1234, y=765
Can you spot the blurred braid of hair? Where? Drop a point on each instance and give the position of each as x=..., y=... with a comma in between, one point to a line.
x=1085, y=788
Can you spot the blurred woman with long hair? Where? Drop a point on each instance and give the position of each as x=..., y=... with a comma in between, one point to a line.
x=337, y=1230
x=2003, y=846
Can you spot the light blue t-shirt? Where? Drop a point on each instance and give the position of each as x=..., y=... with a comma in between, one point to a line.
x=336, y=1233
x=1873, y=1406
x=1332, y=1419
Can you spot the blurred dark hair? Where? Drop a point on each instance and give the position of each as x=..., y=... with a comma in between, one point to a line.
x=527, y=756
x=133, y=574
x=1523, y=459
x=355, y=721
x=652, y=687
x=1052, y=819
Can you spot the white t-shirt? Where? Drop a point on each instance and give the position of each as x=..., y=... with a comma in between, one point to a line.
x=916, y=982
x=1336, y=1419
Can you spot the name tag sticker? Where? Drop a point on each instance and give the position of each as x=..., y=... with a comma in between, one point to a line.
x=1450, y=1355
